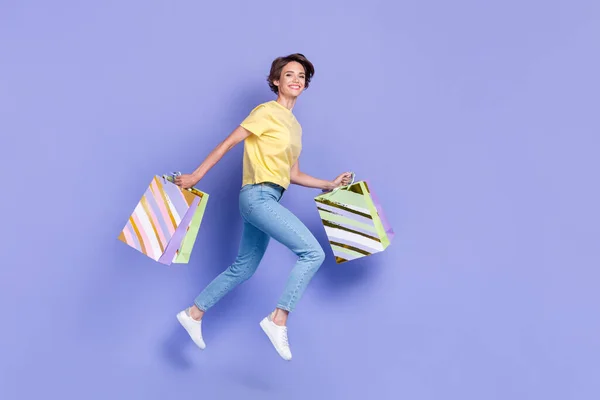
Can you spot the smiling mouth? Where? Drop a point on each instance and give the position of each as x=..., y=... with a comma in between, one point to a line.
x=295, y=87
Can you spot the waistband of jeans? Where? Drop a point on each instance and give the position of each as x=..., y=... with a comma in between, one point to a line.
x=271, y=184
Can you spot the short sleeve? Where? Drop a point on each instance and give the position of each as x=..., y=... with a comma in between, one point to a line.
x=257, y=121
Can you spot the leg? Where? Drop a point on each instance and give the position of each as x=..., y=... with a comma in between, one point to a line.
x=279, y=223
x=252, y=248
x=251, y=251
x=282, y=225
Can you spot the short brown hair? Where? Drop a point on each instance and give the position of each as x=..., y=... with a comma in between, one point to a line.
x=280, y=62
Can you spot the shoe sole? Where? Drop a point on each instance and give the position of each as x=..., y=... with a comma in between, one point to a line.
x=180, y=319
x=266, y=331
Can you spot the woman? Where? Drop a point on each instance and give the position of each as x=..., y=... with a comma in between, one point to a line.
x=272, y=144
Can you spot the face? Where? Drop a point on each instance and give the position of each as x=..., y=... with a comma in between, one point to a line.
x=292, y=80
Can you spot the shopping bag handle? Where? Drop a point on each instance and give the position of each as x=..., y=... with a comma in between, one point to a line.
x=171, y=178
x=192, y=189
x=173, y=175
x=346, y=187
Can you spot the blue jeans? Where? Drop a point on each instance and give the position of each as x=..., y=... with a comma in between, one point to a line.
x=265, y=218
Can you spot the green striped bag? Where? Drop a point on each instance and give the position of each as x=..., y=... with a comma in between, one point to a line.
x=354, y=221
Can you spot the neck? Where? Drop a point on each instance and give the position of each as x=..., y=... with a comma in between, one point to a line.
x=287, y=102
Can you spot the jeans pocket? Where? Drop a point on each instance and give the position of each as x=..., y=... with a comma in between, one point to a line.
x=246, y=187
x=270, y=192
x=247, y=199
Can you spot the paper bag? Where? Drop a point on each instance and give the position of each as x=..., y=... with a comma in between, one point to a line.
x=354, y=221
x=165, y=222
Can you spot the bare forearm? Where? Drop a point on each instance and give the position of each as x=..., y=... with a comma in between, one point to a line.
x=210, y=160
x=302, y=179
x=235, y=137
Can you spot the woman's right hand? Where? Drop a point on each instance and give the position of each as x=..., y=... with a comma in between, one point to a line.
x=186, y=181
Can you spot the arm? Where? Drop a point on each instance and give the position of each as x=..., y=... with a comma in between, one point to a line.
x=239, y=134
x=302, y=179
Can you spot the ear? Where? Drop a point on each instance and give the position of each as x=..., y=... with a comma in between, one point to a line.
x=276, y=83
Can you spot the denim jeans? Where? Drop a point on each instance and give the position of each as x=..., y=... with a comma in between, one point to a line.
x=264, y=218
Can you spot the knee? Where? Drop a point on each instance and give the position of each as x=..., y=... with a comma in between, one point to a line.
x=241, y=271
x=320, y=255
x=316, y=255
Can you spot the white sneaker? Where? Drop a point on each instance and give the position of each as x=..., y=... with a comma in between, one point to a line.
x=278, y=336
x=193, y=327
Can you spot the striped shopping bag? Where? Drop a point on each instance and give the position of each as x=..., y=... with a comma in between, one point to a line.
x=354, y=221
x=165, y=222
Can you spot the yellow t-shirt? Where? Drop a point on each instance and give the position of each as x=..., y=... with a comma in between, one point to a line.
x=275, y=145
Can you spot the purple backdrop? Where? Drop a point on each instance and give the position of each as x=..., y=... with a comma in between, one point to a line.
x=476, y=124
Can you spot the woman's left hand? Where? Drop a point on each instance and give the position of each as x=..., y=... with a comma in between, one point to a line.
x=342, y=179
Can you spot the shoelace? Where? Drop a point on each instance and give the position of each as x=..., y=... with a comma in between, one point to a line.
x=284, y=338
